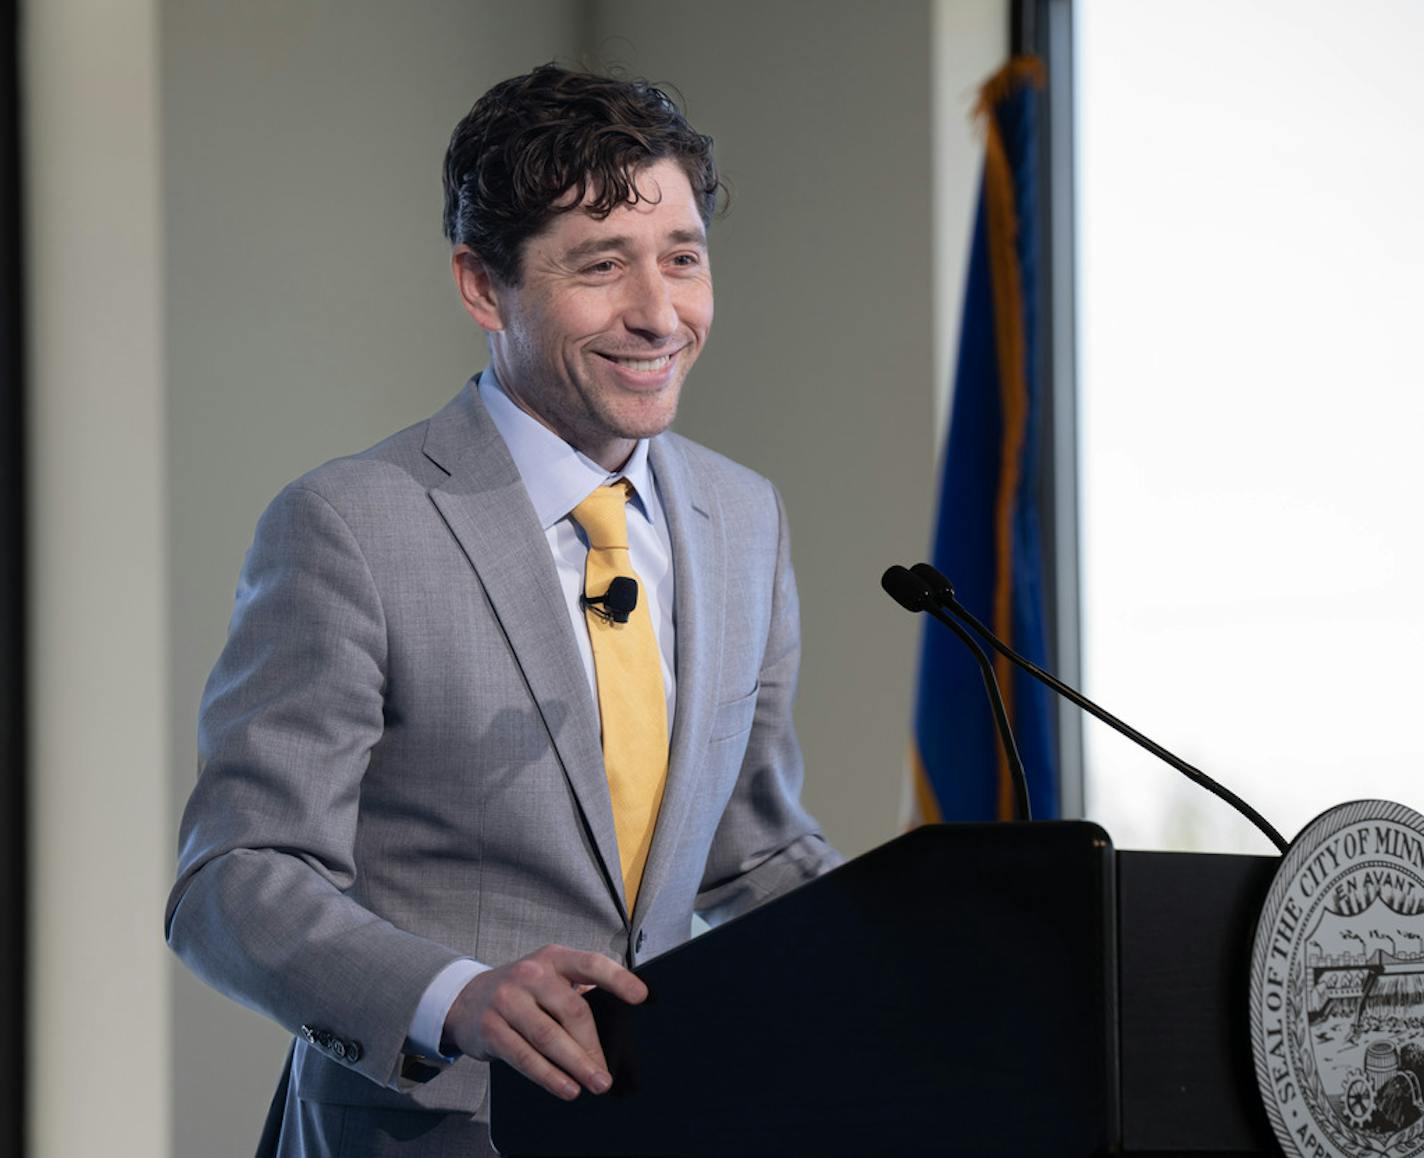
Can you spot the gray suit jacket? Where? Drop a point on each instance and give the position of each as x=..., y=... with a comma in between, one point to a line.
x=400, y=760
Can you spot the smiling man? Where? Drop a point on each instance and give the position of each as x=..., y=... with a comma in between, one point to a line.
x=507, y=697
x=608, y=315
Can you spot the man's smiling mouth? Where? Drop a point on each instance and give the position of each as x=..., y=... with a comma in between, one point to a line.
x=642, y=365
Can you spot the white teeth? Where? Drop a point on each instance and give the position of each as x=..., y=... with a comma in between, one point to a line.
x=644, y=364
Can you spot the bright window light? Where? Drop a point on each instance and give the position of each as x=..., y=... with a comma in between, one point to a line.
x=1251, y=311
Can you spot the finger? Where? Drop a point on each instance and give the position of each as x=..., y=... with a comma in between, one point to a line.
x=572, y=1012
x=596, y=969
x=505, y=1042
x=543, y=981
x=552, y=1034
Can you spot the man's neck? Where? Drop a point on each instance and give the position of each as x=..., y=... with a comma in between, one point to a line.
x=611, y=455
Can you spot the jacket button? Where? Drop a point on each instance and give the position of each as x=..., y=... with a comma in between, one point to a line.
x=353, y=1051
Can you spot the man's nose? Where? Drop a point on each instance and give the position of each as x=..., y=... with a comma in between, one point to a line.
x=649, y=309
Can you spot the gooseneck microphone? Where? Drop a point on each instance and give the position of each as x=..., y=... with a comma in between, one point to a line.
x=912, y=593
x=941, y=592
x=618, y=602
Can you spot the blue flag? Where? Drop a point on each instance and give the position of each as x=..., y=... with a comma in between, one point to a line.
x=987, y=534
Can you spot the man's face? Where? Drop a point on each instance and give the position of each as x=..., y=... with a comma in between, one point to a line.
x=610, y=315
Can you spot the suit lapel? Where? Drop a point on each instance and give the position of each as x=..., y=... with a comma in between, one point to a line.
x=486, y=507
x=698, y=578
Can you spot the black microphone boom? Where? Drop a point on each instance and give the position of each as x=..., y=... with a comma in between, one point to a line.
x=941, y=591
x=913, y=594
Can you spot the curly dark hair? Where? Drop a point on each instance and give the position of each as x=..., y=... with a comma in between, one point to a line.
x=532, y=139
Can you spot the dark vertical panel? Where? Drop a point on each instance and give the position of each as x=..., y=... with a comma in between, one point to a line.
x=12, y=598
x=1044, y=28
x=1065, y=524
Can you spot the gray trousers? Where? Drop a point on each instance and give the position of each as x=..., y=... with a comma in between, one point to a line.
x=301, y=1129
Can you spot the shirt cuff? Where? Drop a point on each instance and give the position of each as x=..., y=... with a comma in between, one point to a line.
x=428, y=1024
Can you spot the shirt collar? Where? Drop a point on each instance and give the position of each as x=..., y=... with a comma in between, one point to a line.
x=557, y=476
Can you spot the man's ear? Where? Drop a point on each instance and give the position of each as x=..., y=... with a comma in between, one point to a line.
x=477, y=288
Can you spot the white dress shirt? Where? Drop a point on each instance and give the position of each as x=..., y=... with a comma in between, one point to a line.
x=558, y=478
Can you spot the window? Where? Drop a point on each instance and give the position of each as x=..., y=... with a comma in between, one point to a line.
x=1251, y=386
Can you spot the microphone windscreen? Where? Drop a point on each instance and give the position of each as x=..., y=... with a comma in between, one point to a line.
x=939, y=586
x=907, y=589
x=622, y=596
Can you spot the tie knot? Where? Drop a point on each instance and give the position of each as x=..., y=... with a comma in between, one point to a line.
x=604, y=516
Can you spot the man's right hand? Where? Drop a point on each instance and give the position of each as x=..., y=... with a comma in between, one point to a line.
x=531, y=1014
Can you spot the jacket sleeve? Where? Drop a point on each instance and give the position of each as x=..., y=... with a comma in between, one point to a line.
x=766, y=842
x=289, y=716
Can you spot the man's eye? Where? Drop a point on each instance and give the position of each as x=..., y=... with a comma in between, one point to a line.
x=686, y=259
x=599, y=267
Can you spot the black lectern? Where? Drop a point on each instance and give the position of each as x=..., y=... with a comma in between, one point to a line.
x=1006, y=989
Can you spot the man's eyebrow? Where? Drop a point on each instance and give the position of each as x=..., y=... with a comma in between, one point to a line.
x=620, y=244
x=688, y=237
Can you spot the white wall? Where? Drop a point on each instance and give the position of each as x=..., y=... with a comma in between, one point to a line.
x=971, y=42
x=309, y=313
x=99, y=823
x=819, y=372
x=275, y=293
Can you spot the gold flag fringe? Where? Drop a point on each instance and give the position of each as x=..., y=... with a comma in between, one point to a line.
x=1010, y=344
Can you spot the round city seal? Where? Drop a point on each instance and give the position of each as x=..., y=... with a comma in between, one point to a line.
x=1337, y=986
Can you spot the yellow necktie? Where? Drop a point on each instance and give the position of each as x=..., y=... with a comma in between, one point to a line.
x=631, y=700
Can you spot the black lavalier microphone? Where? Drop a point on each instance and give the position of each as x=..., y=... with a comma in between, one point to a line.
x=617, y=602
x=941, y=592
x=912, y=593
